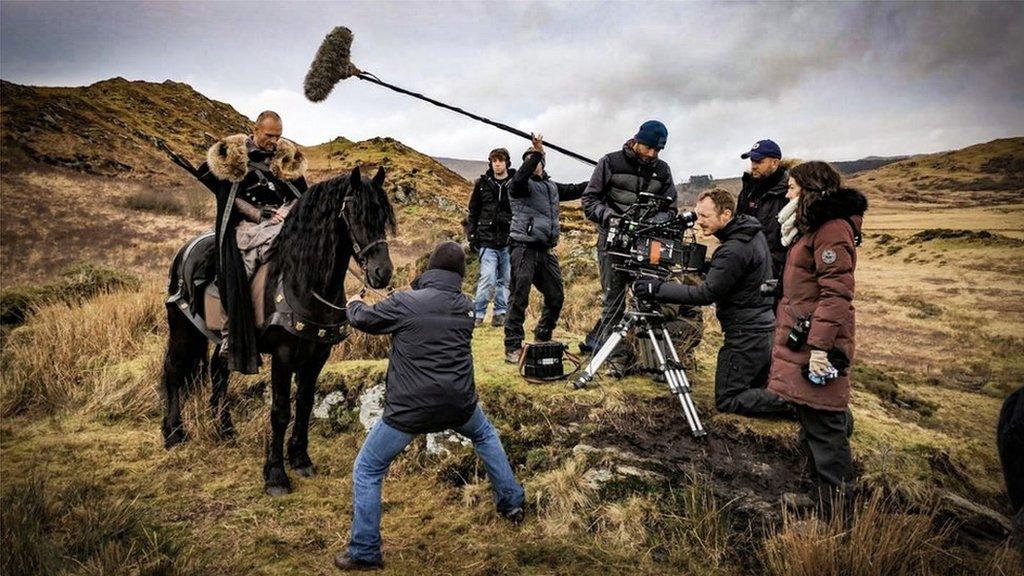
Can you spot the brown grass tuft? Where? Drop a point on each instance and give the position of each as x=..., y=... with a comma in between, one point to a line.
x=59, y=360
x=875, y=539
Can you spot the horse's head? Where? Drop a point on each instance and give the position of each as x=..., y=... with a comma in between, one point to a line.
x=368, y=217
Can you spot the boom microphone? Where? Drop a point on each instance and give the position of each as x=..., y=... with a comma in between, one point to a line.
x=332, y=64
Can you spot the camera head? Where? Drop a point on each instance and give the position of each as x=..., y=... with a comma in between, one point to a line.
x=652, y=239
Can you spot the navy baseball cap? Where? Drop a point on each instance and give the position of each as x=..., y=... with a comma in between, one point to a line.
x=763, y=149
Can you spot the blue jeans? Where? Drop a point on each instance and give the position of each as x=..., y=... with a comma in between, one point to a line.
x=384, y=443
x=494, y=274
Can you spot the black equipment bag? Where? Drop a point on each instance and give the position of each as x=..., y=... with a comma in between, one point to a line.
x=545, y=362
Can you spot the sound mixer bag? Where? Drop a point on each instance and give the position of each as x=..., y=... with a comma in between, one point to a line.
x=542, y=362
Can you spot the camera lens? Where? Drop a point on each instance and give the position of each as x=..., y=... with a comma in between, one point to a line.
x=689, y=218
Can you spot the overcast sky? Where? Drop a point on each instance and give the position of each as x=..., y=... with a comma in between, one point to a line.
x=828, y=81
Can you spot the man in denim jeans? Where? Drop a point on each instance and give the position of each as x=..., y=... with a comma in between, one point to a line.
x=490, y=215
x=430, y=388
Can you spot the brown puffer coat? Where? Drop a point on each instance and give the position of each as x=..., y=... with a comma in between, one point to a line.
x=818, y=282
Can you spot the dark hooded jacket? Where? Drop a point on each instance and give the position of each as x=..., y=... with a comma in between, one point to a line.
x=733, y=284
x=819, y=284
x=430, y=385
x=618, y=179
x=535, y=204
x=764, y=198
x=490, y=211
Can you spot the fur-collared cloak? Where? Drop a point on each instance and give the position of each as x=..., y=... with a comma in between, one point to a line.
x=265, y=179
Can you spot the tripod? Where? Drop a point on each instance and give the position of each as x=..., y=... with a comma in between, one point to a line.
x=647, y=320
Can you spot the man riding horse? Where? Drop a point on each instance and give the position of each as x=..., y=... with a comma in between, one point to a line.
x=256, y=179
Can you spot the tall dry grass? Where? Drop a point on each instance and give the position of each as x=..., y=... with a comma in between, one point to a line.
x=101, y=355
x=80, y=527
x=875, y=538
x=191, y=202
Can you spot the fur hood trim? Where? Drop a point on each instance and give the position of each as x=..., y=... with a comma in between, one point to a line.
x=843, y=203
x=228, y=159
x=289, y=162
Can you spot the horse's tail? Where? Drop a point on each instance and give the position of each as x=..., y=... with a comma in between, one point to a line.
x=175, y=271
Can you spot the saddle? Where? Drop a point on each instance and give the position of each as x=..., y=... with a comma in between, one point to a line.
x=198, y=298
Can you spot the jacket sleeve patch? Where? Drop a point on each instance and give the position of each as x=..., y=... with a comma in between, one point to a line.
x=828, y=256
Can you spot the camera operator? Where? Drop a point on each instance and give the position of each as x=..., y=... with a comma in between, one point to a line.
x=740, y=265
x=616, y=184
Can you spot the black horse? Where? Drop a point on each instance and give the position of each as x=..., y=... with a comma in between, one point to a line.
x=335, y=220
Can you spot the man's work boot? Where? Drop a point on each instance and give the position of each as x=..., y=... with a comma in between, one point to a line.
x=542, y=335
x=498, y=320
x=515, y=515
x=341, y=560
x=512, y=355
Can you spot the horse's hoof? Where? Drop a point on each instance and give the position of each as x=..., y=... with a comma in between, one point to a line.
x=275, y=491
x=175, y=437
x=305, y=471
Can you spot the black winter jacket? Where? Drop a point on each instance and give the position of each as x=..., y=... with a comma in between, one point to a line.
x=490, y=211
x=763, y=199
x=738, y=268
x=618, y=179
x=430, y=385
x=535, y=209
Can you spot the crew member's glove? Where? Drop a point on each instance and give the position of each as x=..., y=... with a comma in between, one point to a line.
x=647, y=288
x=611, y=221
x=820, y=366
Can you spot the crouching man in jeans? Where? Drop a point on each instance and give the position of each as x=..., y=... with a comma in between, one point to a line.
x=429, y=388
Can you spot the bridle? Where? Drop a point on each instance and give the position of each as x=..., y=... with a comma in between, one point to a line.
x=359, y=252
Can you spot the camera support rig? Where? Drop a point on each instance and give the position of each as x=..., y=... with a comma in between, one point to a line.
x=651, y=323
x=649, y=241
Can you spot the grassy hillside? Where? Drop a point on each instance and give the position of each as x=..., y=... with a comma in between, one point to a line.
x=613, y=480
x=981, y=175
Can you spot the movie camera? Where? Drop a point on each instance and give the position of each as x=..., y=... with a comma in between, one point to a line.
x=650, y=239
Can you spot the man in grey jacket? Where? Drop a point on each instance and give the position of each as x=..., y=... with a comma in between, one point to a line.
x=534, y=233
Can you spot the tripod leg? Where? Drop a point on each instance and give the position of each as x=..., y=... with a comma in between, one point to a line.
x=602, y=354
x=677, y=383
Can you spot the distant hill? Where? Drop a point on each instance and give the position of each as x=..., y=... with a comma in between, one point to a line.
x=108, y=128
x=72, y=157
x=989, y=173
x=468, y=169
x=983, y=174
x=851, y=167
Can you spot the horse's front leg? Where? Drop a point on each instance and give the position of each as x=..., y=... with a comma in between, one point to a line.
x=219, y=375
x=298, y=445
x=275, y=480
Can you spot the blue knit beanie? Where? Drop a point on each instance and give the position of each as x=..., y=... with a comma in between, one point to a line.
x=653, y=134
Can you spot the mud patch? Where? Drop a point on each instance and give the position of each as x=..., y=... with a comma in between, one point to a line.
x=751, y=475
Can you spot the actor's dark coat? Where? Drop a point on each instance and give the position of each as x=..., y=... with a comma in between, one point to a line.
x=819, y=283
x=490, y=211
x=430, y=384
x=264, y=179
x=738, y=268
x=764, y=198
x=618, y=179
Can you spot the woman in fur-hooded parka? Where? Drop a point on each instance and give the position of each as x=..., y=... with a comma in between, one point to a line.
x=818, y=282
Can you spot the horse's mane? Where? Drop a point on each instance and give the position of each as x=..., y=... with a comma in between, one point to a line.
x=313, y=237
